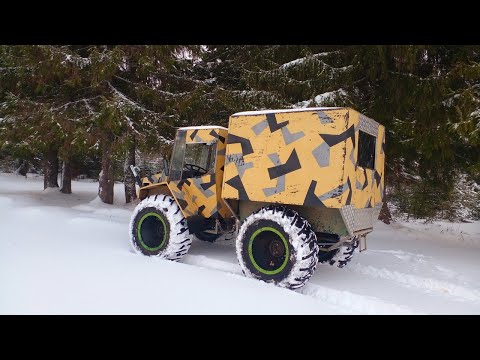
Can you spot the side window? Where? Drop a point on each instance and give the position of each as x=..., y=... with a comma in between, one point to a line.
x=199, y=160
x=366, y=150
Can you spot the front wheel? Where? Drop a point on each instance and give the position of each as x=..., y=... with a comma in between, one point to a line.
x=277, y=245
x=158, y=228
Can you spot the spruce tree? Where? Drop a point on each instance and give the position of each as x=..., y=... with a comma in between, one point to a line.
x=76, y=99
x=70, y=103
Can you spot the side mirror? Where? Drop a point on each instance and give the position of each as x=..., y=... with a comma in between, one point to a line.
x=165, y=166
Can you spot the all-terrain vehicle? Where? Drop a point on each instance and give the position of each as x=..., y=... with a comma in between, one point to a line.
x=295, y=187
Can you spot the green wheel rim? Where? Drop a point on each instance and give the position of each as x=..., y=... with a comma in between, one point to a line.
x=139, y=233
x=252, y=259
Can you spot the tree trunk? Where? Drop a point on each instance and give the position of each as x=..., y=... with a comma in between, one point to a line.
x=129, y=180
x=106, y=181
x=385, y=215
x=22, y=168
x=66, y=178
x=50, y=169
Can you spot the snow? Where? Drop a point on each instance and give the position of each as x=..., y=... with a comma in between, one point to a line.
x=475, y=113
x=292, y=63
x=329, y=96
x=302, y=60
x=165, y=140
x=207, y=127
x=71, y=254
x=321, y=98
x=262, y=112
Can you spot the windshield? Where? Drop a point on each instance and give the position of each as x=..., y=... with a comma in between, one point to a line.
x=201, y=155
x=192, y=159
x=177, y=156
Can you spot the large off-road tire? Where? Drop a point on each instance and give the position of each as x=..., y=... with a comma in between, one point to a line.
x=325, y=257
x=276, y=245
x=158, y=228
x=339, y=257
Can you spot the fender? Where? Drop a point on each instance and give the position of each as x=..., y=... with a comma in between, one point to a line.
x=162, y=188
x=154, y=189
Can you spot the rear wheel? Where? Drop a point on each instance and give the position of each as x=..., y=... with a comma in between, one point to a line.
x=341, y=256
x=345, y=253
x=277, y=245
x=158, y=228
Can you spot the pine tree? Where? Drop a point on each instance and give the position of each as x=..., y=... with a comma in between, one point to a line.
x=72, y=103
x=143, y=87
x=76, y=99
x=426, y=96
x=33, y=81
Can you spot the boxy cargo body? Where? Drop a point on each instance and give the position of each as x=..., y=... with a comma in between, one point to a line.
x=328, y=163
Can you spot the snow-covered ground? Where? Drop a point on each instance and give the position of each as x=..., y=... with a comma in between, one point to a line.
x=70, y=254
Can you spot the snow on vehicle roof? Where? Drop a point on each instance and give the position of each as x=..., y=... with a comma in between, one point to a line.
x=202, y=127
x=260, y=112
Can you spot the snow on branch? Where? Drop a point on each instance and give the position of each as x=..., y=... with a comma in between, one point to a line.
x=329, y=96
x=302, y=60
x=136, y=105
x=130, y=125
x=85, y=101
x=163, y=92
x=430, y=77
x=69, y=57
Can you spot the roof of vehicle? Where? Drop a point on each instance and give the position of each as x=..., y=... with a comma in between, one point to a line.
x=260, y=112
x=202, y=127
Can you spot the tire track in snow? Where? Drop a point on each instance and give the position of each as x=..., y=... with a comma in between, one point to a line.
x=212, y=264
x=448, y=233
x=348, y=301
x=404, y=255
x=419, y=282
x=356, y=303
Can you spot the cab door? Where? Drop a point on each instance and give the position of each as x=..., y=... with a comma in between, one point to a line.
x=196, y=171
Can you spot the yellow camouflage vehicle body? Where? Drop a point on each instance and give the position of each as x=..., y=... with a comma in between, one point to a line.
x=277, y=180
x=198, y=196
x=308, y=158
